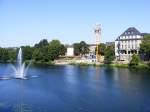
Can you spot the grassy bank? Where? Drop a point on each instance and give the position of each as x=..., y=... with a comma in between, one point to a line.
x=83, y=64
x=114, y=65
x=39, y=62
x=101, y=65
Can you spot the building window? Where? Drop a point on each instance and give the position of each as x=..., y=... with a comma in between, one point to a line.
x=132, y=36
x=125, y=52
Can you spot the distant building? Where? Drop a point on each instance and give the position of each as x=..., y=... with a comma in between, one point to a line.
x=128, y=43
x=70, y=51
x=91, y=57
x=110, y=43
x=92, y=48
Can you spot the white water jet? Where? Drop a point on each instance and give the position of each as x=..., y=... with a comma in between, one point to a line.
x=20, y=70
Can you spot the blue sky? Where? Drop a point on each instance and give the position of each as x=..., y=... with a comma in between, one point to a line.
x=26, y=22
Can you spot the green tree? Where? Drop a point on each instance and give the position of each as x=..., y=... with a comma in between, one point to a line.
x=109, y=54
x=63, y=50
x=4, y=55
x=81, y=48
x=37, y=55
x=41, y=54
x=84, y=48
x=46, y=52
x=145, y=47
x=54, y=49
x=41, y=51
x=42, y=43
x=12, y=54
x=27, y=52
x=76, y=47
x=134, y=61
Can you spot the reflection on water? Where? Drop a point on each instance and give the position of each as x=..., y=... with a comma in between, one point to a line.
x=76, y=89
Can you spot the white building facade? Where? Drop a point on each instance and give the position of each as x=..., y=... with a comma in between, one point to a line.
x=127, y=44
x=70, y=52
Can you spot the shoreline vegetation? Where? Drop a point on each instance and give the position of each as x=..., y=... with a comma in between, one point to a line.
x=113, y=65
x=140, y=66
x=54, y=53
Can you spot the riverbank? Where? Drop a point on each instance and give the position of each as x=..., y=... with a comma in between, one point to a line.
x=112, y=65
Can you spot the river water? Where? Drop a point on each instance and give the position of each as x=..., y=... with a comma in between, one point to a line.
x=75, y=89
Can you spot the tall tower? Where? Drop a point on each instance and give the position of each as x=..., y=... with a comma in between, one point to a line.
x=97, y=31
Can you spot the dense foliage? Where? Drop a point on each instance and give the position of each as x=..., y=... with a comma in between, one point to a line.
x=135, y=60
x=27, y=52
x=4, y=55
x=81, y=48
x=109, y=54
x=7, y=55
x=145, y=47
x=43, y=51
x=76, y=48
x=55, y=49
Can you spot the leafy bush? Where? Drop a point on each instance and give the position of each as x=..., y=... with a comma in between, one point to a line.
x=109, y=54
x=134, y=61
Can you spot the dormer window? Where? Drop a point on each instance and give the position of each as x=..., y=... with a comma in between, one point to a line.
x=128, y=32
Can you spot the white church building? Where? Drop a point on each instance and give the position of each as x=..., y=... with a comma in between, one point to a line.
x=128, y=43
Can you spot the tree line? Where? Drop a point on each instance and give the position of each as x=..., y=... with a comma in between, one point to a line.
x=43, y=51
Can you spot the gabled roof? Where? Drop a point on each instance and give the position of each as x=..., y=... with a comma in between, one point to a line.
x=131, y=31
